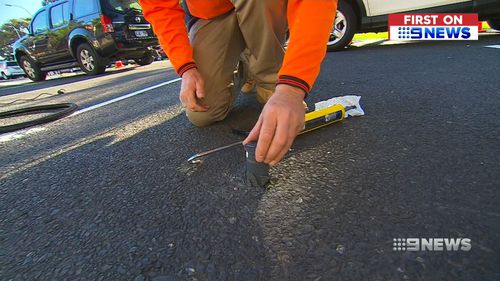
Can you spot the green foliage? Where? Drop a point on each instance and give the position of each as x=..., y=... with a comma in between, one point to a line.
x=46, y=2
x=9, y=34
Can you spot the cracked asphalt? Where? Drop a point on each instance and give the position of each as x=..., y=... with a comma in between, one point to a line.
x=108, y=194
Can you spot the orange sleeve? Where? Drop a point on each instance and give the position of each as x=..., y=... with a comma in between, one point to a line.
x=310, y=23
x=167, y=18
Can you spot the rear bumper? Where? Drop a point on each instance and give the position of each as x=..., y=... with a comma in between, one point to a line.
x=118, y=45
x=130, y=53
x=134, y=49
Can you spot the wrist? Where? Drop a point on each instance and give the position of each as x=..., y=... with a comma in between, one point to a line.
x=185, y=68
x=294, y=92
x=189, y=72
x=294, y=82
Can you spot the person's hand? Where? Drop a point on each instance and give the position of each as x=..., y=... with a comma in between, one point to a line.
x=279, y=123
x=192, y=89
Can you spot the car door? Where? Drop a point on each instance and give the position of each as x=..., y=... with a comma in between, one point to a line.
x=384, y=7
x=58, y=35
x=38, y=43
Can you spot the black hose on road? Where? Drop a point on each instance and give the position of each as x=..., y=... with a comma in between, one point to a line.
x=63, y=110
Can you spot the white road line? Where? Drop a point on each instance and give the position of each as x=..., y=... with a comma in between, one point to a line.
x=124, y=97
x=19, y=134
x=493, y=46
x=22, y=133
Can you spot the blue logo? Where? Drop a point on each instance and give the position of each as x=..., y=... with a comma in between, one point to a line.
x=434, y=32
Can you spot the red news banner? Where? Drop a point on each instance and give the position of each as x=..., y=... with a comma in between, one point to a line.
x=404, y=27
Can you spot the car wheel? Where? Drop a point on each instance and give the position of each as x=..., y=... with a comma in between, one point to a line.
x=32, y=69
x=90, y=61
x=344, y=27
x=494, y=23
x=4, y=77
x=146, y=59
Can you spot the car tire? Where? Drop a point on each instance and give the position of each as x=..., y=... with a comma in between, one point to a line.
x=344, y=27
x=146, y=59
x=32, y=69
x=494, y=23
x=90, y=61
x=4, y=77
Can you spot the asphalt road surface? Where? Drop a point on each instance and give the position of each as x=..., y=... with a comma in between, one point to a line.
x=108, y=195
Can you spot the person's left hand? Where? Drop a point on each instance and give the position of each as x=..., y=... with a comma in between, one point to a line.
x=279, y=123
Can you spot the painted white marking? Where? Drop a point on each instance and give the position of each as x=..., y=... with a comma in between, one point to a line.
x=124, y=97
x=493, y=46
x=19, y=134
x=29, y=131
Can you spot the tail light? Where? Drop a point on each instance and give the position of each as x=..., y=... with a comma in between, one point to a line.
x=107, y=25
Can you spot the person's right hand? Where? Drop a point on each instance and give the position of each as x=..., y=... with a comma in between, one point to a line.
x=192, y=90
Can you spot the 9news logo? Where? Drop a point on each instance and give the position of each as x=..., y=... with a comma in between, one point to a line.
x=431, y=244
x=404, y=27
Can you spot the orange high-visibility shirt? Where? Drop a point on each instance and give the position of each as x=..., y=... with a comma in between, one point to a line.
x=309, y=22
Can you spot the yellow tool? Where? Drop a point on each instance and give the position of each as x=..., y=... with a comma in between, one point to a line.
x=323, y=117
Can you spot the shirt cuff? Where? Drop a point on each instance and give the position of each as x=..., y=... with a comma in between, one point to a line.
x=185, y=67
x=295, y=82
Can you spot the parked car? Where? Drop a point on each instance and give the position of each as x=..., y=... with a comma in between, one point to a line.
x=84, y=33
x=10, y=69
x=355, y=16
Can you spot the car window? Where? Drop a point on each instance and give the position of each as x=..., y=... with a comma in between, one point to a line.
x=84, y=7
x=11, y=63
x=59, y=15
x=124, y=5
x=39, y=24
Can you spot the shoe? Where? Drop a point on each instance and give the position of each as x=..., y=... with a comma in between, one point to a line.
x=263, y=95
x=248, y=87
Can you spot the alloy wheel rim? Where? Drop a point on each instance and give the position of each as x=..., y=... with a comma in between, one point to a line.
x=339, y=29
x=87, y=60
x=29, y=69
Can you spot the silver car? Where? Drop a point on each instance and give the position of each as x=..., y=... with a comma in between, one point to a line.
x=10, y=69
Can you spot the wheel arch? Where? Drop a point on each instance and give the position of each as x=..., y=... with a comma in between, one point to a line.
x=79, y=36
x=359, y=9
x=76, y=41
x=21, y=52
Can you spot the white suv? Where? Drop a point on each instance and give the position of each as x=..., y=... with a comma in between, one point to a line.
x=371, y=15
x=10, y=69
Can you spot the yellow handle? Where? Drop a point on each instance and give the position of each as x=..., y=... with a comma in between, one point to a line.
x=320, y=118
x=325, y=111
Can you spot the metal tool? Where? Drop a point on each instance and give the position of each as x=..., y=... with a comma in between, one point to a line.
x=313, y=120
x=201, y=154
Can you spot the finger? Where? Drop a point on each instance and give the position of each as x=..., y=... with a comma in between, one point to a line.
x=254, y=133
x=200, y=88
x=192, y=104
x=280, y=140
x=197, y=108
x=266, y=135
x=182, y=98
x=284, y=151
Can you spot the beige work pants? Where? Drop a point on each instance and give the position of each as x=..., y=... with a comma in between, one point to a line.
x=260, y=26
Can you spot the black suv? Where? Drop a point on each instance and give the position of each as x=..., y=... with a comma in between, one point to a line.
x=85, y=33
